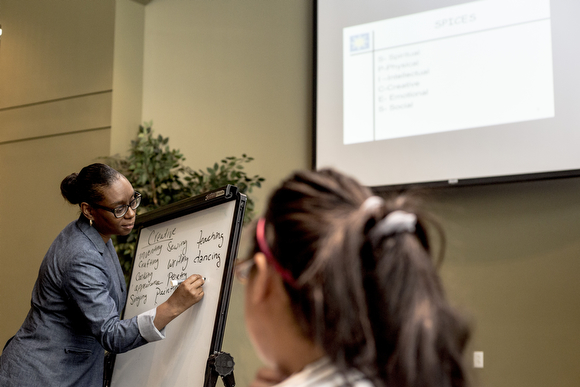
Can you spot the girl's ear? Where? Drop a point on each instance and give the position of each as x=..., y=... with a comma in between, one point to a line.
x=261, y=280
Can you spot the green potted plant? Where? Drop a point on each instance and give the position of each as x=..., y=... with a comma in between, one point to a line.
x=159, y=174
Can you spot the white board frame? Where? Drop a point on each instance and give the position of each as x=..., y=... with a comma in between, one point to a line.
x=181, y=358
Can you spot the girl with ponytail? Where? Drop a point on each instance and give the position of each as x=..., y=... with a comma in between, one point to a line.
x=342, y=290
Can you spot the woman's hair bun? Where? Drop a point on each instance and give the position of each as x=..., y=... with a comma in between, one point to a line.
x=68, y=188
x=88, y=184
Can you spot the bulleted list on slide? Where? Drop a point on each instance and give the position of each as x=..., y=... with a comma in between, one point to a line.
x=460, y=67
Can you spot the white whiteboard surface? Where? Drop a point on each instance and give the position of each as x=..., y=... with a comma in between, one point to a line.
x=196, y=243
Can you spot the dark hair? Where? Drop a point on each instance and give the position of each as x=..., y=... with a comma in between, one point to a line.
x=373, y=301
x=87, y=185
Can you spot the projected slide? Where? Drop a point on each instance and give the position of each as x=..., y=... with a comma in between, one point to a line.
x=448, y=69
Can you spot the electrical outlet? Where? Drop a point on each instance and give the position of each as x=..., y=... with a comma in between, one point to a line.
x=478, y=359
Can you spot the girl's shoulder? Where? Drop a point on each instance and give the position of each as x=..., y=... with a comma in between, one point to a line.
x=323, y=373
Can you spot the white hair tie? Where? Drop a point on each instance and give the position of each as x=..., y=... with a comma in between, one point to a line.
x=396, y=222
x=371, y=202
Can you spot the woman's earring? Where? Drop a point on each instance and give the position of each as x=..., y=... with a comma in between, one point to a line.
x=91, y=222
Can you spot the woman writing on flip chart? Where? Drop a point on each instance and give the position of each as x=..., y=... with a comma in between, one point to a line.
x=80, y=292
x=342, y=290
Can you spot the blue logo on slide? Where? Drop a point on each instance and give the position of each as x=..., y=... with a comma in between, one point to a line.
x=360, y=42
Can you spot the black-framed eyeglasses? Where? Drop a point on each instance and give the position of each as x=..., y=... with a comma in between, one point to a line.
x=121, y=210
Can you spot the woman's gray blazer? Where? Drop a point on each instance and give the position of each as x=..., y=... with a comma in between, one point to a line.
x=74, y=315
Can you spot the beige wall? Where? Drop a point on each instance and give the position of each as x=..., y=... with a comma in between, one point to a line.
x=225, y=77
x=55, y=117
x=513, y=264
x=127, y=74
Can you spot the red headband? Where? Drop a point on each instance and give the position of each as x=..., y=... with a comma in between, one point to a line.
x=263, y=245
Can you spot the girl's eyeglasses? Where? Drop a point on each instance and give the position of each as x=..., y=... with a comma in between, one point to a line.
x=243, y=269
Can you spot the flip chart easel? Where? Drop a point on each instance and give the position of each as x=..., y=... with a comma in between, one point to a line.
x=199, y=235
